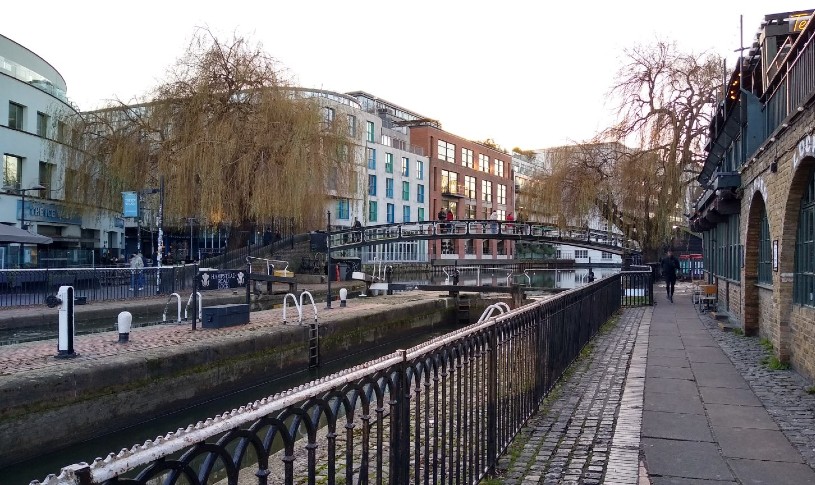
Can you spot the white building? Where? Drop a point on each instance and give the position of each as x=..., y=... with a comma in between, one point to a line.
x=32, y=102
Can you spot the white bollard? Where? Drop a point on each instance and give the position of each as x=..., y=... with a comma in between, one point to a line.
x=124, y=321
x=67, y=330
x=343, y=297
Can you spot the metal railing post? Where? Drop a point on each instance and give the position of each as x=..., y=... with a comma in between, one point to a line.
x=195, y=297
x=400, y=434
x=492, y=402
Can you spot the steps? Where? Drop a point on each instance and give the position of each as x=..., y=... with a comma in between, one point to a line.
x=463, y=310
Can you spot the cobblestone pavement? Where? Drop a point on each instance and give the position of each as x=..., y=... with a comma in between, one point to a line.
x=24, y=357
x=570, y=440
x=782, y=392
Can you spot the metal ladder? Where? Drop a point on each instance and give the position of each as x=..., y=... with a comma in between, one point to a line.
x=313, y=345
x=463, y=311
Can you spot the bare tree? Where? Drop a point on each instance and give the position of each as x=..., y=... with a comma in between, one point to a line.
x=235, y=142
x=634, y=172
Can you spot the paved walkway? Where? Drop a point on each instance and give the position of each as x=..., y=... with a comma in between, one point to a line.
x=665, y=397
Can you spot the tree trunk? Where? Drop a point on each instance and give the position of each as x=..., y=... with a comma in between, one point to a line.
x=239, y=235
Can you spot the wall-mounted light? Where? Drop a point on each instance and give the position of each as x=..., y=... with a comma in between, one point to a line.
x=774, y=167
x=772, y=140
x=785, y=125
x=800, y=109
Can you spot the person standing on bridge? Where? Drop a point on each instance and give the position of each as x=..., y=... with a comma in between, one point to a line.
x=358, y=230
x=494, y=224
x=670, y=266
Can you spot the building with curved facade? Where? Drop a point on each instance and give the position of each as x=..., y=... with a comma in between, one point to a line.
x=33, y=103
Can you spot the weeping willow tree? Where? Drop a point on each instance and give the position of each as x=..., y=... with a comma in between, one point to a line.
x=237, y=145
x=634, y=173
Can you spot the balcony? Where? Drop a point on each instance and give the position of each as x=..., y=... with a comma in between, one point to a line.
x=453, y=190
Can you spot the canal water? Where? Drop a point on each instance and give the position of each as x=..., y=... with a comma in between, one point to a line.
x=40, y=467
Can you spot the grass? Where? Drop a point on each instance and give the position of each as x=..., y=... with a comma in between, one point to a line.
x=771, y=360
x=738, y=331
x=810, y=390
x=767, y=344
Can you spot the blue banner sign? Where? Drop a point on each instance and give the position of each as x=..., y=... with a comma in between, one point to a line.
x=47, y=212
x=130, y=204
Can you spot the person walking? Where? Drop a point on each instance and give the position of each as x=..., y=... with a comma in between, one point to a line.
x=136, y=268
x=357, y=230
x=670, y=267
x=494, y=224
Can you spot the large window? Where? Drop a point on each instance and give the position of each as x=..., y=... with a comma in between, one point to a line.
x=405, y=190
x=765, y=254
x=804, y=280
x=469, y=187
x=486, y=191
x=467, y=157
x=405, y=213
x=42, y=124
x=389, y=215
x=419, y=193
x=47, y=179
x=502, y=193
x=447, y=152
x=470, y=212
x=371, y=153
x=12, y=169
x=581, y=254
x=370, y=136
x=371, y=184
x=343, y=209
x=727, y=249
x=389, y=188
x=389, y=162
x=352, y=126
x=420, y=214
x=499, y=168
x=483, y=162
x=328, y=116
x=449, y=182
x=405, y=166
x=372, y=211
x=15, y=116
x=419, y=169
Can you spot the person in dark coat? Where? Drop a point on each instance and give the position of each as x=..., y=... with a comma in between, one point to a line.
x=670, y=268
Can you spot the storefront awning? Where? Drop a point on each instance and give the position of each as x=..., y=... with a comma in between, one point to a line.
x=11, y=234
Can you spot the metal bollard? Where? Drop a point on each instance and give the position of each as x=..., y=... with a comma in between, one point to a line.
x=124, y=321
x=67, y=329
x=343, y=297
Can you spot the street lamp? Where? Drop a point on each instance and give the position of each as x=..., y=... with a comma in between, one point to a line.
x=21, y=192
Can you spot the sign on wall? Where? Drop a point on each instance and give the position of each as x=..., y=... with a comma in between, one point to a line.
x=36, y=211
x=130, y=204
x=775, y=255
x=220, y=280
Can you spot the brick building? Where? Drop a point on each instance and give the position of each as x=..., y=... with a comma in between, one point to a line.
x=472, y=180
x=756, y=211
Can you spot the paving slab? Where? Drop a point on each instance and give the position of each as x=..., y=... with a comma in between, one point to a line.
x=675, y=426
x=732, y=416
x=687, y=481
x=659, y=353
x=756, y=444
x=669, y=372
x=665, y=342
x=668, y=361
x=685, y=459
x=670, y=386
x=659, y=401
x=700, y=341
x=720, y=395
x=771, y=472
x=707, y=354
x=718, y=375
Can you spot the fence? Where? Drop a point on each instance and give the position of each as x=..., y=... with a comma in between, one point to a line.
x=446, y=409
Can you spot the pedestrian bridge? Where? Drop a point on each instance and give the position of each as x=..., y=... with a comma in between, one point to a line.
x=480, y=229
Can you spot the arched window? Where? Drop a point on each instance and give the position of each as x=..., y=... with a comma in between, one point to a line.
x=804, y=282
x=765, y=257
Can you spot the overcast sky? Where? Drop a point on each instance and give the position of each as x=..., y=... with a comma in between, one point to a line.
x=528, y=73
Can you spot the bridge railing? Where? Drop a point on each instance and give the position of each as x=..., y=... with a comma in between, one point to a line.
x=446, y=408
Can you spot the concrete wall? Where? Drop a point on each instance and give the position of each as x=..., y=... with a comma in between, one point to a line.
x=53, y=408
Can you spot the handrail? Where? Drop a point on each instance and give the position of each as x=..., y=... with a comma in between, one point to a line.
x=189, y=303
x=296, y=306
x=164, y=315
x=313, y=305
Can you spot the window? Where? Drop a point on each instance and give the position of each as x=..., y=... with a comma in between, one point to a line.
x=483, y=162
x=389, y=188
x=405, y=190
x=605, y=255
x=371, y=184
x=343, y=209
x=372, y=211
x=419, y=169
x=486, y=191
x=765, y=256
x=727, y=249
x=449, y=182
x=46, y=179
x=502, y=214
x=470, y=212
x=804, y=279
x=328, y=116
x=405, y=166
x=389, y=162
x=389, y=215
x=499, y=168
x=405, y=213
x=386, y=140
x=469, y=187
x=352, y=126
x=371, y=153
x=369, y=132
x=581, y=254
x=12, y=169
x=420, y=214
x=467, y=157
x=486, y=247
x=502, y=194
x=419, y=193
x=62, y=132
x=42, y=124
x=15, y=115
x=447, y=152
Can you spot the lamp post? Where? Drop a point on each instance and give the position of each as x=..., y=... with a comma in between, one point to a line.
x=22, y=192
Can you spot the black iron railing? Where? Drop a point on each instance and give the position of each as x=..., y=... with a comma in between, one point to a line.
x=441, y=411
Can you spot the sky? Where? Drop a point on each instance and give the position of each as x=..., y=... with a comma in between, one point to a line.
x=528, y=73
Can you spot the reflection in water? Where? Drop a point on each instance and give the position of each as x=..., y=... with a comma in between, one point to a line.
x=538, y=278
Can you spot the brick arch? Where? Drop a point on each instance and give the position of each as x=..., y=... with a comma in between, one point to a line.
x=750, y=297
x=787, y=236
